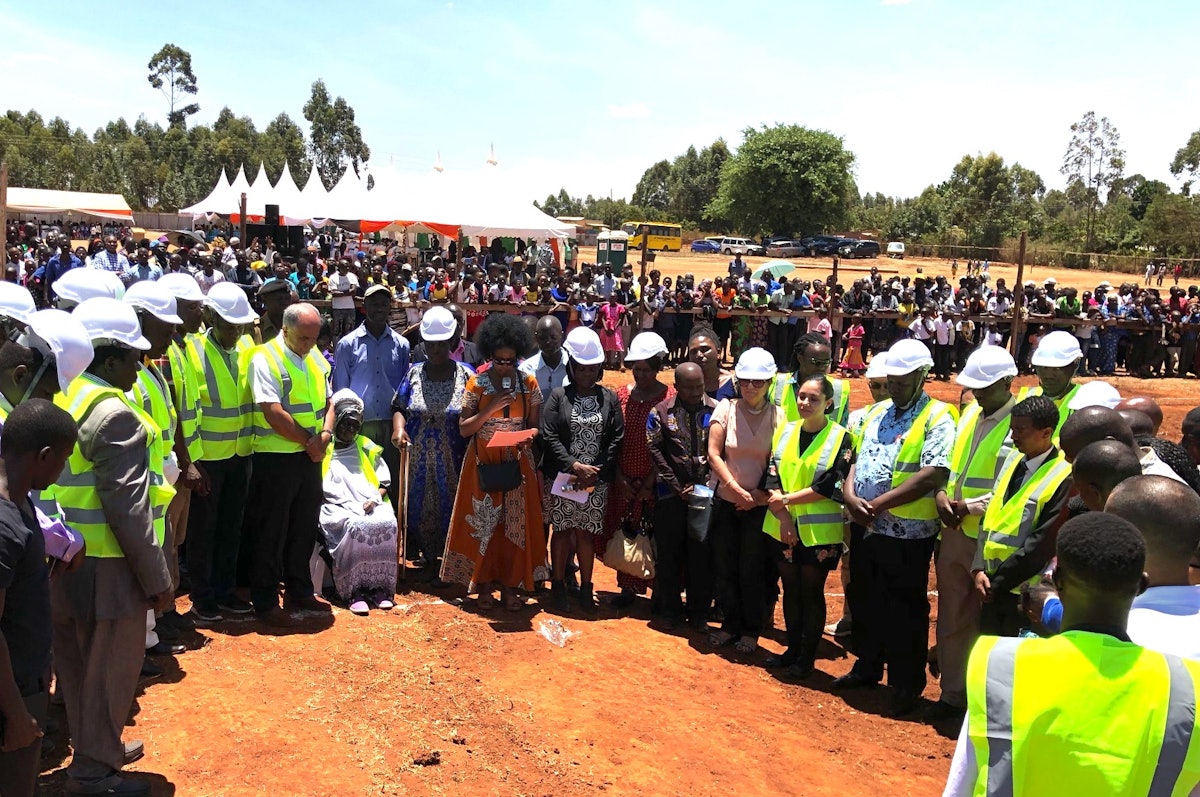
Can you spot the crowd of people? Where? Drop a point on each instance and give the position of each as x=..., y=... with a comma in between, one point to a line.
x=163, y=437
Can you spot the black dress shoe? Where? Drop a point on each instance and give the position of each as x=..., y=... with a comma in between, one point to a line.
x=941, y=710
x=852, y=680
x=799, y=670
x=785, y=659
x=162, y=648
x=904, y=702
x=150, y=670
x=134, y=750
x=124, y=787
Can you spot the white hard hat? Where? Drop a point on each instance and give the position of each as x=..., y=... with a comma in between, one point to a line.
x=755, y=363
x=1056, y=350
x=235, y=240
x=438, y=324
x=80, y=284
x=182, y=286
x=906, y=356
x=16, y=302
x=583, y=346
x=229, y=301
x=60, y=335
x=876, y=366
x=110, y=321
x=644, y=346
x=155, y=299
x=1094, y=394
x=987, y=366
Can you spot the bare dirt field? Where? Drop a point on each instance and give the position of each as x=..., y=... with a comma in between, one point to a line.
x=438, y=698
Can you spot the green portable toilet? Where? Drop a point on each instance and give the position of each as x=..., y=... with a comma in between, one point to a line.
x=612, y=247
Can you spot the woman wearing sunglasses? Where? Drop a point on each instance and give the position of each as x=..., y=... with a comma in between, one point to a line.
x=496, y=535
x=739, y=446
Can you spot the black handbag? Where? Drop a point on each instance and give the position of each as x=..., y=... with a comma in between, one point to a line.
x=499, y=477
x=699, y=516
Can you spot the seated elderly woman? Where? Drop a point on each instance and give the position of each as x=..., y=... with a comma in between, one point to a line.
x=358, y=524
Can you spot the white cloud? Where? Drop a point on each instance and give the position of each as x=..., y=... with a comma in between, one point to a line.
x=633, y=110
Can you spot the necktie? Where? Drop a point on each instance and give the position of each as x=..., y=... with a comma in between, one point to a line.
x=1018, y=478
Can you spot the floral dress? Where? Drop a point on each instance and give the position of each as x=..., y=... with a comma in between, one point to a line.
x=635, y=463
x=497, y=537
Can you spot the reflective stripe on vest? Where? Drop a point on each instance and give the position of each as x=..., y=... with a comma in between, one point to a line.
x=226, y=412
x=908, y=460
x=974, y=473
x=1089, y=710
x=1063, y=403
x=302, y=395
x=817, y=522
x=784, y=396
x=151, y=393
x=367, y=454
x=75, y=488
x=187, y=396
x=1007, y=524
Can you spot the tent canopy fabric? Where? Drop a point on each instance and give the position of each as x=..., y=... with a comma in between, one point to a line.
x=47, y=201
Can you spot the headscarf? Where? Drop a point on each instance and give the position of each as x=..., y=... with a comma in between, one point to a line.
x=346, y=402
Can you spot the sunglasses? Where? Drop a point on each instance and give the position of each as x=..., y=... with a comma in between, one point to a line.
x=503, y=362
x=754, y=382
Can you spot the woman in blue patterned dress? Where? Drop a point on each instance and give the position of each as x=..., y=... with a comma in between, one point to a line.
x=425, y=413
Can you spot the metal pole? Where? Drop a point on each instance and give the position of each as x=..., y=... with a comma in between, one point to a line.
x=242, y=222
x=1018, y=292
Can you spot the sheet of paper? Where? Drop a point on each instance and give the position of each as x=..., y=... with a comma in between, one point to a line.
x=563, y=487
x=510, y=439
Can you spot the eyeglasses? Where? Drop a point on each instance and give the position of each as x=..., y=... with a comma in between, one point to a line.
x=754, y=382
x=824, y=363
x=504, y=361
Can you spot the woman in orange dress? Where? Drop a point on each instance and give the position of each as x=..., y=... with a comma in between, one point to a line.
x=496, y=538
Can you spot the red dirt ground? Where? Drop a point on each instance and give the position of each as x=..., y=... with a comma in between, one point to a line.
x=350, y=705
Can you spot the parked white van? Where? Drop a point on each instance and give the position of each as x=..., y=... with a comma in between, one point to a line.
x=896, y=249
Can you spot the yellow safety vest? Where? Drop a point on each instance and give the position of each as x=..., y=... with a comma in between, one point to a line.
x=150, y=392
x=1062, y=402
x=187, y=396
x=1007, y=524
x=908, y=460
x=226, y=408
x=368, y=453
x=1081, y=714
x=784, y=395
x=818, y=522
x=75, y=489
x=975, y=472
x=302, y=395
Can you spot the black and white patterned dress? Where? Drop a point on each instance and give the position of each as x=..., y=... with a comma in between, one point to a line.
x=587, y=431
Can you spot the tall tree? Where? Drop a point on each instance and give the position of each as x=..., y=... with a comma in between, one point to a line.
x=334, y=138
x=283, y=142
x=785, y=178
x=1095, y=160
x=171, y=73
x=653, y=190
x=1187, y=159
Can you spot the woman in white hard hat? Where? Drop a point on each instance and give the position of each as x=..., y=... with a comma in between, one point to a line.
x=633, y=499
x=425, y=413
x=496, y=535
x=739, y=446
x=582, y=429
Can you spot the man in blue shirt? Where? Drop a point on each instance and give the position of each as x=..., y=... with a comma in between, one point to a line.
x=303, y=281
x=372, y=360
x=57, y=265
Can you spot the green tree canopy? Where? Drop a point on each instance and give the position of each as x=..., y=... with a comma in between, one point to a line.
x=334, y=138
x=171, y=73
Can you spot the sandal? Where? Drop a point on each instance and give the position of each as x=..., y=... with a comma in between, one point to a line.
x=719, y=639
x=746, y=644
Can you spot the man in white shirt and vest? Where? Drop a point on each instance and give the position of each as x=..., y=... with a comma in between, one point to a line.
x=1086, y=712
x=293, y=419
x=981, y=445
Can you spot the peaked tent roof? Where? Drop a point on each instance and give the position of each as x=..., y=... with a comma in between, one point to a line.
x=216, y=202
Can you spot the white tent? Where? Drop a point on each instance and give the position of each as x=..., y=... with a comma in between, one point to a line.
x=215, y=202
x=44, y=201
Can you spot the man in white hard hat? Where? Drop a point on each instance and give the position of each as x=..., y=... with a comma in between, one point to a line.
x=156, y=311
x=1056, y=360
x=185, y=394
x=293, y=423
x=981, y=444
x=53, y=351
x=218, y=362
x=106, y=493
x=80, y=284
x=16, y=306
x=903, y=460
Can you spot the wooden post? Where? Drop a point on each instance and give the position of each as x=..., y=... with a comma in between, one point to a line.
x=242, y=223
x=645, y=230
x=1018, y=291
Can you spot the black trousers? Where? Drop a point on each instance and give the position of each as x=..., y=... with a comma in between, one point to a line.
x=888, y=593
x=740, y=551
x=676, y=554
x=19, y=768
x=283, y=511
x=1001, y=616
x=943, y=353
x=215, y=529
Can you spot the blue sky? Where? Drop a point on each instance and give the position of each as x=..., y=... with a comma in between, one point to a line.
x=586, y=95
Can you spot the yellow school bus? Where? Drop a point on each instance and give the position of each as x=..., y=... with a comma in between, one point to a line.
x=663, y=236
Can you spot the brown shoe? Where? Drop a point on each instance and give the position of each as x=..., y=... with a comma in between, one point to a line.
x=277, y=618
x=306, y=603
